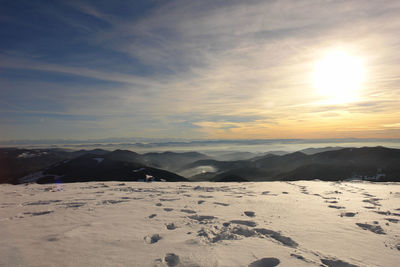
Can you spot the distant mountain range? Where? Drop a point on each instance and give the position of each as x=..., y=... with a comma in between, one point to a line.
x=50, y=165
x=119, y=165
x=346, y=163
x=16, y=163
x=330, y=163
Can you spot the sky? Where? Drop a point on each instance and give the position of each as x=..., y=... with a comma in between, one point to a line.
x=195, y=69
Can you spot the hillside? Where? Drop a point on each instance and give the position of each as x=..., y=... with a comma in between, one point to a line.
x=332, y=164
x=28, y=165
x=172, y=161
x=16, y=163
x=339, y=164
x=118, y=165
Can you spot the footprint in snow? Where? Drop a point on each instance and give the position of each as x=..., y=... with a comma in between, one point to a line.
x=348, y=214
x=337, y=263
x=39, y=213
x=171, y=259
x=188, y=211
x=250, y=213
x=171, y=226
x=152, y=239
x=265, y=262
x=221, y=204
x=373, y=228
x=201, y=218
x=392, y=220
x=335, y=207
x=42, y=202
x=243, y=222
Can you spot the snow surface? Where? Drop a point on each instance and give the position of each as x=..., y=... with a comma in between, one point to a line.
x=30, y=155
x=33, y=177
x=99, y=160
x=139, y=170
x=26, y=155
x=306, y=223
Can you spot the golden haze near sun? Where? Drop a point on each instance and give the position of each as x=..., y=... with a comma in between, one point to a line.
x=324, y=106
x=338, y=77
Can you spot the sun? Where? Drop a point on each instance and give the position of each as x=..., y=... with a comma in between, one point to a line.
x=338, y=76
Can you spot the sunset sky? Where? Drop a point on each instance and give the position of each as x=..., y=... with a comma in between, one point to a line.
x=199, y=69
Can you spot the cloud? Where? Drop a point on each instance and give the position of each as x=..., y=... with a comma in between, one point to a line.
x=392, y=125
x=208, y=68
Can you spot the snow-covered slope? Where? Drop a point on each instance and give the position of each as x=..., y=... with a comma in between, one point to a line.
x=200, y=224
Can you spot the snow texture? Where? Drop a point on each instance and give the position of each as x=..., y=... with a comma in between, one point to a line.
x=201, y=224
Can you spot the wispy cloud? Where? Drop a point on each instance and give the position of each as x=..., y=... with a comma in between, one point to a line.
x=392, y=125
x=204, y=69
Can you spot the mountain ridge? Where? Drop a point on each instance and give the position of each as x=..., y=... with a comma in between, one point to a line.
x=28, y=165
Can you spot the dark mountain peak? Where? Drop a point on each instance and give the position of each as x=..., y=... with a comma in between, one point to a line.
x=266, y=156
x=172, y=161
x=364, y=152
x=370, y=163
x=294, y=155
x=170, y=153
x=274, y=159
x=269, y=155
x=119, y=165
x=312, y=150
x=96, y=151
x=193, y=154
x=123, y=152
x=86, y=156
x=124, y=155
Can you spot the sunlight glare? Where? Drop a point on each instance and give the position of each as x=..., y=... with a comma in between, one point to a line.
x=338, y=76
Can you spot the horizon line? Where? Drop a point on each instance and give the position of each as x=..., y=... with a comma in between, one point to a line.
x=142, y=140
